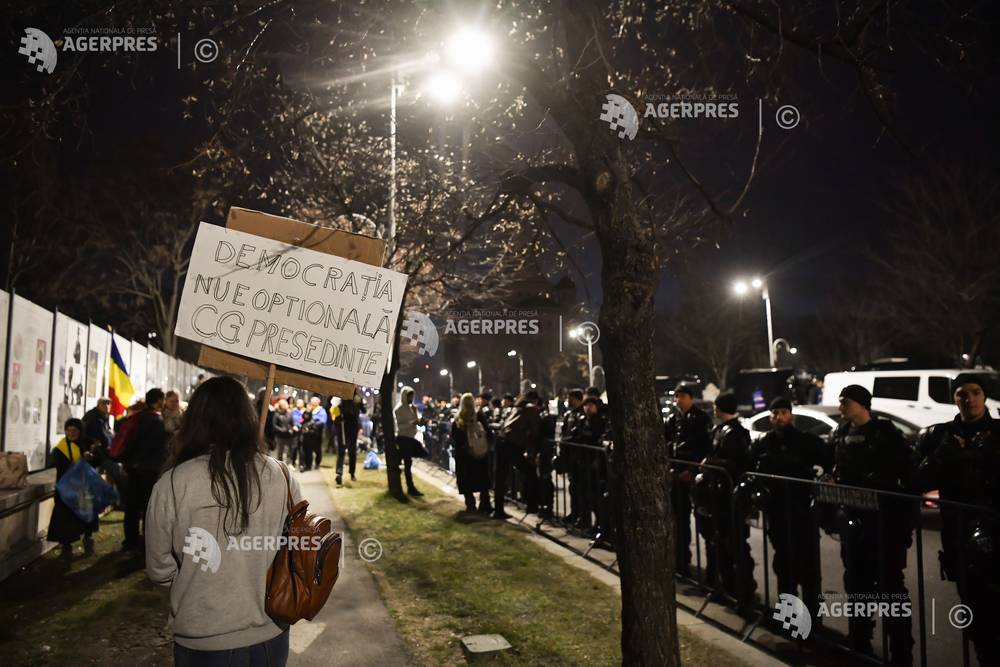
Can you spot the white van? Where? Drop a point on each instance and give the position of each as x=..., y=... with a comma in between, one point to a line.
x=920, y=396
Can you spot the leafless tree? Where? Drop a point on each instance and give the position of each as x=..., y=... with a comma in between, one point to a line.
x=941, y=284
x=710, y=325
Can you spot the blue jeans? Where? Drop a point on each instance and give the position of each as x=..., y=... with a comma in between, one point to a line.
x=272, y=653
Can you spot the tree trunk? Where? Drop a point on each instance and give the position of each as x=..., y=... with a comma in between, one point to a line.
x=627, y=321
x=392, y=458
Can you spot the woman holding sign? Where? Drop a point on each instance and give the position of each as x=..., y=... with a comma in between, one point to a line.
x=407, y=422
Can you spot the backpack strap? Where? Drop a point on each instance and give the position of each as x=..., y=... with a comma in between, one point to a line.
x=288, y=484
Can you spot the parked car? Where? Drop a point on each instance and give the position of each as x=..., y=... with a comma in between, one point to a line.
x=822, y=420
x=920, y=396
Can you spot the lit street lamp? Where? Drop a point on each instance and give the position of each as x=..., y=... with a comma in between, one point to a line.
x=520, y=367
x=451, y=382
x=472, y=364
x=778, y=342
x=740, y=287
x=587, y=333
x=468, y=49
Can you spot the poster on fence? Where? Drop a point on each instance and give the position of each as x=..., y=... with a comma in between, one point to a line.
x=69, y=373
x=289, y=305
x=137, y=370
x=4, y=315
x=98, y=347
x=153, y=376
x=27, y=391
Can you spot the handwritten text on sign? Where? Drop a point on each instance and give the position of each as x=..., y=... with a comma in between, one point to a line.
x=290, y=306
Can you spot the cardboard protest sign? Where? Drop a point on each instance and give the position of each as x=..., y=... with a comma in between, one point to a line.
x=286, y=303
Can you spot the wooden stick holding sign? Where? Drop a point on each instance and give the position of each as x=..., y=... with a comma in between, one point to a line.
x=297, y=304
x=265, y=412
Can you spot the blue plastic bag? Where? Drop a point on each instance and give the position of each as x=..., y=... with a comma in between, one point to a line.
x=84, y=491
x=371, y=460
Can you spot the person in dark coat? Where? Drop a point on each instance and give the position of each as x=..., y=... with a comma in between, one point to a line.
x=729, y=558
x=310, y=441
x=471, y=472
x=65, y=527
x=145, y=455
x=871, y=453
x=95, y=425
x=517, y=448
x=688, y=440
x=786, y=451
x=348, y=425
x=961, y=459
x=571, y=437
x=284, y=430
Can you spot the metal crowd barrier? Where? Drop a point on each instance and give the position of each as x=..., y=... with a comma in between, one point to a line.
x=437, y=440
x=822, y=522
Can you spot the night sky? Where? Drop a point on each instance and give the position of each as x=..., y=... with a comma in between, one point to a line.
x=816, y=207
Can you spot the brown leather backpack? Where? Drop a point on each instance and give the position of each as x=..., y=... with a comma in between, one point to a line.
x=304, y=570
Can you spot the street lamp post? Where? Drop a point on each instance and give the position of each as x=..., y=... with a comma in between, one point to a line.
x=587, y=333
x=520, y=367
x=472, y=364
x=778, y=342
x=741, y=288
x=451, y=382
x=469, y=50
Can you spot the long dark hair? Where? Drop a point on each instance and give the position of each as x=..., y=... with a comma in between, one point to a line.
x=220, y=421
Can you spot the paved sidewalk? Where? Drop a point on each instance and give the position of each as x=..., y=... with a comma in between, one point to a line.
x=707, y=632
x=354, y=628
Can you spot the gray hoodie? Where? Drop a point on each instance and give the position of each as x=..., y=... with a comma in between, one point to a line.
x=217, y=582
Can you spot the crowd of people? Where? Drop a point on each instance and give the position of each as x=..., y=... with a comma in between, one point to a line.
x=519, y=447
x=492, y=438
x=295, y=433
x=720, y=474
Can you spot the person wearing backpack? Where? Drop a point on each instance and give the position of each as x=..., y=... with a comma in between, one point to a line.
x=518, y=446
x=144, y=456
x=212, y=530
x=470, y=439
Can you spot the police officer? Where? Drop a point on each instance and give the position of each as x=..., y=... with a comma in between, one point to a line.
x=593, y=463
x=729, y=553
x=961, y=459
x=484, y=406
x=573, y=432
x=794, y=536
x=870, y=452
x=688, y=441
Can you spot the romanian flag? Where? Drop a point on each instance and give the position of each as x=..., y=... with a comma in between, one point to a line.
x=120, y=389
